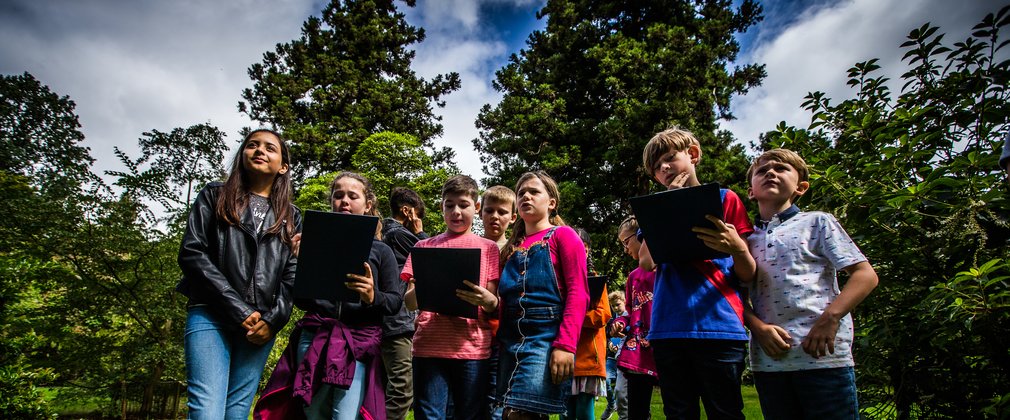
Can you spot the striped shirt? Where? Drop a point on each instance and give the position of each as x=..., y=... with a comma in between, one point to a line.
x=451, y=337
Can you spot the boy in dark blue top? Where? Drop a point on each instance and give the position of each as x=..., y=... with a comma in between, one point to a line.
x=697, y=335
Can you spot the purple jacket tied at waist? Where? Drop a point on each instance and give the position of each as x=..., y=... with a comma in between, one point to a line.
x=330, y=360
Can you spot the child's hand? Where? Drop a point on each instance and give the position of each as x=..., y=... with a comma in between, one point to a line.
x=414, y=223
x=617, y=329
x=773, y=339
x=562, y=364
x=296, y=243
x=724, y=238
x=364, y=285
x=478, y=296
x=821, y=339
x=259, y=334
x=679, y=181
x=251, y=320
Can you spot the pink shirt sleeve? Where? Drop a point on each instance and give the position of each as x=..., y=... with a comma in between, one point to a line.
x=569, y=255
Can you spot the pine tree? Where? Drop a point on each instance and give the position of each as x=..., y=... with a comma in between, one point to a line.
x=348, y=76
x=590, y=90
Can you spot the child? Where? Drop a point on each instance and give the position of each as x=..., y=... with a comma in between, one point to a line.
x=234, y=311
x=401, y=232
x=451, y=353
x=796, y=298
x=591, y=353
x=697, y=333
x=614, y=395
x=331, y=367
x=636, y=361
x=544, y=296
x=497, y=212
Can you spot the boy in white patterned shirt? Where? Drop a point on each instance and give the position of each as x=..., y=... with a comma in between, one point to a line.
x=801, y=330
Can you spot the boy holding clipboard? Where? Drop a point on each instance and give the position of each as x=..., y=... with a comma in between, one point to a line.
x=451, y=352
x=697, y=336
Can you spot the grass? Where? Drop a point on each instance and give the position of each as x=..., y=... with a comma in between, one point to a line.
x=76, y=407
x=751, y=407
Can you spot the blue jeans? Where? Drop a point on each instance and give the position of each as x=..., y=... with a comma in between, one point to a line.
x=436, y=379
x=332, y=402
x=821, y=394
x=690, y=369
x=222, y=368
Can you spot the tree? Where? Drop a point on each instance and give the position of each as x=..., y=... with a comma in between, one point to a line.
x=39, y=135
x=347, y=77
x=390, y=160
x=915, y=181
x=590, y=90
x=177, y=163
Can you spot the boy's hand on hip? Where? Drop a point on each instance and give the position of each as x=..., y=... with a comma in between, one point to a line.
x=364, y=285
x=820, y=341
x=562, y=365
x=723, y=238
x=773, y=340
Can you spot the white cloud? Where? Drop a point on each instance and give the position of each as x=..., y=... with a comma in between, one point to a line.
x=814, y=53
x=136, y=66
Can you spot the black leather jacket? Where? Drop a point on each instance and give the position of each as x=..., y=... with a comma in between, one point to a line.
x=233, y=270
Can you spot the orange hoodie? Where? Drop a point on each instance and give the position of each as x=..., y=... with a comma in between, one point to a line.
x=591, y=354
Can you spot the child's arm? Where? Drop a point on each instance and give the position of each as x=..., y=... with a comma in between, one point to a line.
x=773, y=339
x=724, y=238
x=645, y=257
x=409, y=298
x=598, y=317
x=821, y=339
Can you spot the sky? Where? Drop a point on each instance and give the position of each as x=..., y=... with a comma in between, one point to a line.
x=134, y=66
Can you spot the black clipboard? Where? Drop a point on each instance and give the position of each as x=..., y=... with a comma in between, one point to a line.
x=596, y=285
x=666, y=219
x=333, y=245
x=438, y=272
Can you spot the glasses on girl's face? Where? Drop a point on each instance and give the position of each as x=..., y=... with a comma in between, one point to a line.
x=627, y=240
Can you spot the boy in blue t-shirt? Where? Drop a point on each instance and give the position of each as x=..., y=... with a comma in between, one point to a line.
x=697, y=333
x=801, y=328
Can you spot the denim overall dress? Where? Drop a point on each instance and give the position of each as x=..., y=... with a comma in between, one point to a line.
x=531, y=316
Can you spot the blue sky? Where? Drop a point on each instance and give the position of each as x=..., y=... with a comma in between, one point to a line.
x=133, y=66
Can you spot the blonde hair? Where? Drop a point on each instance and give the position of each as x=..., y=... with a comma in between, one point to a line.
x=519, y=229
x=615, y=296
x=786, y=156
x=629, y=223
x=499, y=194
x=671, y=139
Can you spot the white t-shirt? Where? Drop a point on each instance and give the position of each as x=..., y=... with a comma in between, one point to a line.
x=797, y=260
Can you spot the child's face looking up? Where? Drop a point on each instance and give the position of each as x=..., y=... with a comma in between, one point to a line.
x=458, y=211
x=496, y=215
x=349, y=197
x=261, y=154
x=534, y=202
x=776, y=182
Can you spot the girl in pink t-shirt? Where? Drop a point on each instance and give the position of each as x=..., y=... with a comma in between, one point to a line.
x=543, y=299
